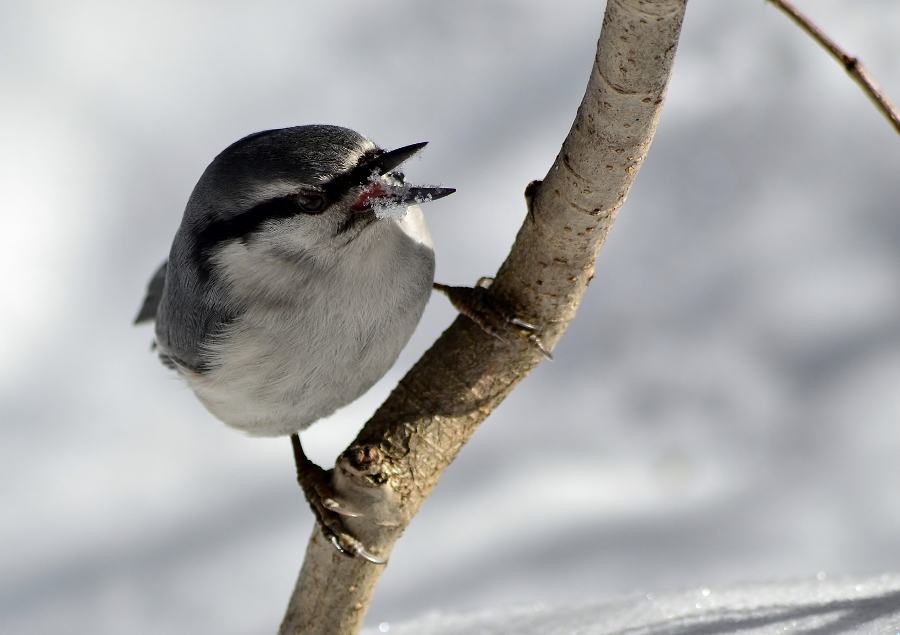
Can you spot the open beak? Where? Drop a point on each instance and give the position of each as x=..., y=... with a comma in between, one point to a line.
x=384, y=196
x=379, y=193
x=380, y=165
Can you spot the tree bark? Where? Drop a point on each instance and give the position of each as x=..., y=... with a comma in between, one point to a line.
x=400, y=454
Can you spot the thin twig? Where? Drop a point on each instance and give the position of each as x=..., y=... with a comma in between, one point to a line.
x=851, y=64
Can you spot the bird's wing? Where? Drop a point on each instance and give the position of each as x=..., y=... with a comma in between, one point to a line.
x=154, y=295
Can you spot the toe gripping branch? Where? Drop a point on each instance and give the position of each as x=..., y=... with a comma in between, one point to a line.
x=491, y=315
x=316, y=485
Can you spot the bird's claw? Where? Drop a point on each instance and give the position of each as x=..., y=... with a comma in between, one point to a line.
x=332, y=505
x=316, y=486
x=350, y=546
x=491, y=315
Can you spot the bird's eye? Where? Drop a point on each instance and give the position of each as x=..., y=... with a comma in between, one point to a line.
x=311, y=203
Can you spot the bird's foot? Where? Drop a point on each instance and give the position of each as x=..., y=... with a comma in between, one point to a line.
x=491, y=315
x=316, y=485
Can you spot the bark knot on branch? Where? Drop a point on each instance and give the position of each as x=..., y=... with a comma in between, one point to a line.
x=459, y=381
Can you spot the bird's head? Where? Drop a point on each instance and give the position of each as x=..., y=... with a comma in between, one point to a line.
x=307, y=191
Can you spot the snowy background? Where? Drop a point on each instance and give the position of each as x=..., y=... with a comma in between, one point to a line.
x=819, y=606
x=725, y=407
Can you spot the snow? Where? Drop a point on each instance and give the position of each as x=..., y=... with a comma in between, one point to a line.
x=724, y=408
x=820, y=606
x=388, y=209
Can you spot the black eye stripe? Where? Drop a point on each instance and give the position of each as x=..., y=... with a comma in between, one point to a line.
x=240, y=226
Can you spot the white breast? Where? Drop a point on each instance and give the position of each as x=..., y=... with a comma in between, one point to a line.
x=314, y=338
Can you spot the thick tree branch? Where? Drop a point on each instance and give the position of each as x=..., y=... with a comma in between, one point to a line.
x=851, y=64
x=396, y=460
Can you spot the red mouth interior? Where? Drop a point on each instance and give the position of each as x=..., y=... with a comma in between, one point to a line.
x=375, y=190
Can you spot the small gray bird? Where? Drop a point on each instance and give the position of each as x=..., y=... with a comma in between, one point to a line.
x=301, y=268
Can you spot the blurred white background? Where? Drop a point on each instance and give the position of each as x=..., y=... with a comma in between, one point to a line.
x=725, y=407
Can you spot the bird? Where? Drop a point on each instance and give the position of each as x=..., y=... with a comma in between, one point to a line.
x=299, y=272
